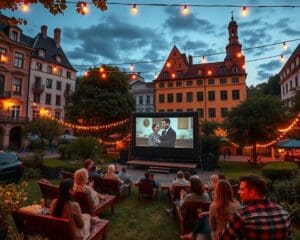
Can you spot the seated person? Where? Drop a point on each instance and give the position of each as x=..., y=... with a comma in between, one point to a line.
x=90, y=166
x=147, y=179
x=179, y=181
x=210, y=187
x=66, y=208
x=112, y=175
x=81, y=185
x=124, y=176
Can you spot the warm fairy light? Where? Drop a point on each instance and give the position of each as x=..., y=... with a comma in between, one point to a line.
x=239, y=55
x=155, y=75
x=285, y=46
x=101, y=69
x=85, y=73
x=173, y=75
x=244, y=66
x=25, y=6
x=54, y=69
x=133, y=76
x=134, y=10
x=131, y=67
x=245, y=11
x=168, y=64
x=203, y=59
x=103, y=75
x=84, y=8
x=209, y=72
x=44, y=112
x=282, y=59
x=3, y=58
x=185, y=10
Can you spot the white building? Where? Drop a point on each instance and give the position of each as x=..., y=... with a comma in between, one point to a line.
x=290, y=76
x=52, y=77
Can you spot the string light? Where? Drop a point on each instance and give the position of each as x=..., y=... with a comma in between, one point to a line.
x=3, y=58
x=239, y=55
x=131, y=67
x=82, y=8
x=185, y=10
x=209, y=72
x=25, y=6
x=134, y=10
x=203, y=60
x=285, y=46
x=173, y=75
x=245, y=11
x=168, y=64
x=282, y=59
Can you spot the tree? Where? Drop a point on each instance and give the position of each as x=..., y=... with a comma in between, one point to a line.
x=101, y=99
x=53, y=6
x=271, y=87
x=45, y=128
x=255, y=121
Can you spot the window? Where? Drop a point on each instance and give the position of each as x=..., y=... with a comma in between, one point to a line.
x=18, y=60
x=161, y=85
x=15, y=36
x=57, y=115
x=223, y=95
x=35, y=113
x=296, y=81
x=170, y=84
x=211, y=81
x=291, y=85
x=179, y=110
x=141, y=100
x=189, y=97
x=58, y=58
x=59, y=72
x=179, y=73
x=211, y=95
x=3, y=53
x=189, y=83
x=15, y=112
x=148, y=99
x=183, y=123
x=235, y=94
x=286, y=88
x=161, y=110
x=170, y=110
x=161, y=98
x=39, y=66
x=200, y=112
x=211, y=112
x=170, y=97
x=282, y=89
x=49, y=69
x=200, y=72
x=189, y=109
x=37, y=97
x=38, y=82
x=222, y=69
x=178, y=97
x=199, y=96
x=68, y=88
x=17, y=86
x=235, y=80
x=69, y=74
x=165, y=75
x=223, y=81
x=235, y=69
x=178, y=84
x=48, y=99
x=48, y=83
x=41, y=53
x=58, y=85
x=58, y=100
x=199, y=82
x=224, y=112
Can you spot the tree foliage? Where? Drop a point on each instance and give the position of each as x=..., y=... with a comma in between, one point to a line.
x=53, y=6
x=255, y=121
x=101, y=101
x=271, y=87
x=45, y=128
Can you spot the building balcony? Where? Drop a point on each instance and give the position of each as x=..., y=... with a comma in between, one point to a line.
x=5, y=94
x=13, y=119
x=37, y=87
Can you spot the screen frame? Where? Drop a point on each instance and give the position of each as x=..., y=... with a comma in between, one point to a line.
x=165, y=153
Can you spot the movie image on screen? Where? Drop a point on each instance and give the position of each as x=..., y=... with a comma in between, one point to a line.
x=162, y=132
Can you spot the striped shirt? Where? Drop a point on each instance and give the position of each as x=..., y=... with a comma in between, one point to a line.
x=261, y=220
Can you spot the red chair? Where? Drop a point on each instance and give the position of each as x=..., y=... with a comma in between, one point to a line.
x=145, y=190
x=66, y=175
x=48, y=190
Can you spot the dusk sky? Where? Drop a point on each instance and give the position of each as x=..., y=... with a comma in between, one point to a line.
x=115, y=36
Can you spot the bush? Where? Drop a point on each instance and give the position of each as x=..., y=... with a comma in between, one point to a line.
x=38, y=158
x=287, y=191
x=65, y=151
x=52, y=167
x=280, y=170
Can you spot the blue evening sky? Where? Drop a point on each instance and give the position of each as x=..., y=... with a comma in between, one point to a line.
x=116, y=36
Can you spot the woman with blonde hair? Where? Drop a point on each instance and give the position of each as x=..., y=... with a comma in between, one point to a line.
x=111, y=174
x=222, y=207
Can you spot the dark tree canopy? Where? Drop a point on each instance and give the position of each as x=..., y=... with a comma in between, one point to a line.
x=271, y=87
x=98, y=100
x=255, y=121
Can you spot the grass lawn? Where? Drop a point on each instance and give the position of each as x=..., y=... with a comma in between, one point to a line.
x=147, y=220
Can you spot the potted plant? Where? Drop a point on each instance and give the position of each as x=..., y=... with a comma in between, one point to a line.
x=12, y=197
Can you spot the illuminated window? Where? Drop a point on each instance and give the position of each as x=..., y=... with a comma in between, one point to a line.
x=18, y=60
x=17, y=86
x=15, y=112
x=41, y=52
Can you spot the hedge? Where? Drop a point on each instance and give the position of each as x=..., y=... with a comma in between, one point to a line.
x=280, y=170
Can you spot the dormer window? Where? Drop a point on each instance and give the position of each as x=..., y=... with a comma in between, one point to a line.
x=42, y=53
x=15, y=35
x=222, y=69
x=297, y=61
x=165, y=75
x=235, y=69
x=200, y=72
x=58, y=58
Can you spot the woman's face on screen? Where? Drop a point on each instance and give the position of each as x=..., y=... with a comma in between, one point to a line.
x=156, y=128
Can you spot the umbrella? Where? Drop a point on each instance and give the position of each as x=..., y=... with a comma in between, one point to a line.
x=289, y=143
x=68, y=137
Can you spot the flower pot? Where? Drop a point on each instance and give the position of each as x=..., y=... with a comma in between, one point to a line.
x=3, y=233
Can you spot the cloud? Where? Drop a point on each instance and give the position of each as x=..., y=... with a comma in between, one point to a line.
x=263, y=75
x=290, y=31
x=270, y=66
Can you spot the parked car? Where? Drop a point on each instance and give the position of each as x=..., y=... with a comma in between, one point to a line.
x=11, y=168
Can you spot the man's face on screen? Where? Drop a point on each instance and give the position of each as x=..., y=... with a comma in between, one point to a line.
x=164, y=125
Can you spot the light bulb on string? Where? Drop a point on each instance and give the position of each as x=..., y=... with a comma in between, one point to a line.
x=245, y=11
x=155, y=75
x=282, y=59
x=185, y=11
x=203, y=59
x=131, y=67
x=168, y=64
x=85, y=73
x=25, y=6
x=285, y=46
x=239, y=54
x=134, y=10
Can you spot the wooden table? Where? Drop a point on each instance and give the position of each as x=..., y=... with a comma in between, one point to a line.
x=164, y=188
x=108, y=202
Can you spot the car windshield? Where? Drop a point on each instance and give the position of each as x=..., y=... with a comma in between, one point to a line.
x=6, y=158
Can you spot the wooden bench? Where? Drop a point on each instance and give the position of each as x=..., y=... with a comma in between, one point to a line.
x=111, y=186
x=82, y=199
x=189, y=212
x=53, y=228
x=146, y=189
x=48, y=190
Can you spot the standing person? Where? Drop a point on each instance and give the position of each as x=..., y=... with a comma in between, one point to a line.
x=168, y=137
x=66, y=208
x=153, y=138
x=260, y=218
x=221, y=208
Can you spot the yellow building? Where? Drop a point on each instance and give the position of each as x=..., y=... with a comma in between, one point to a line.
x=212, y=89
